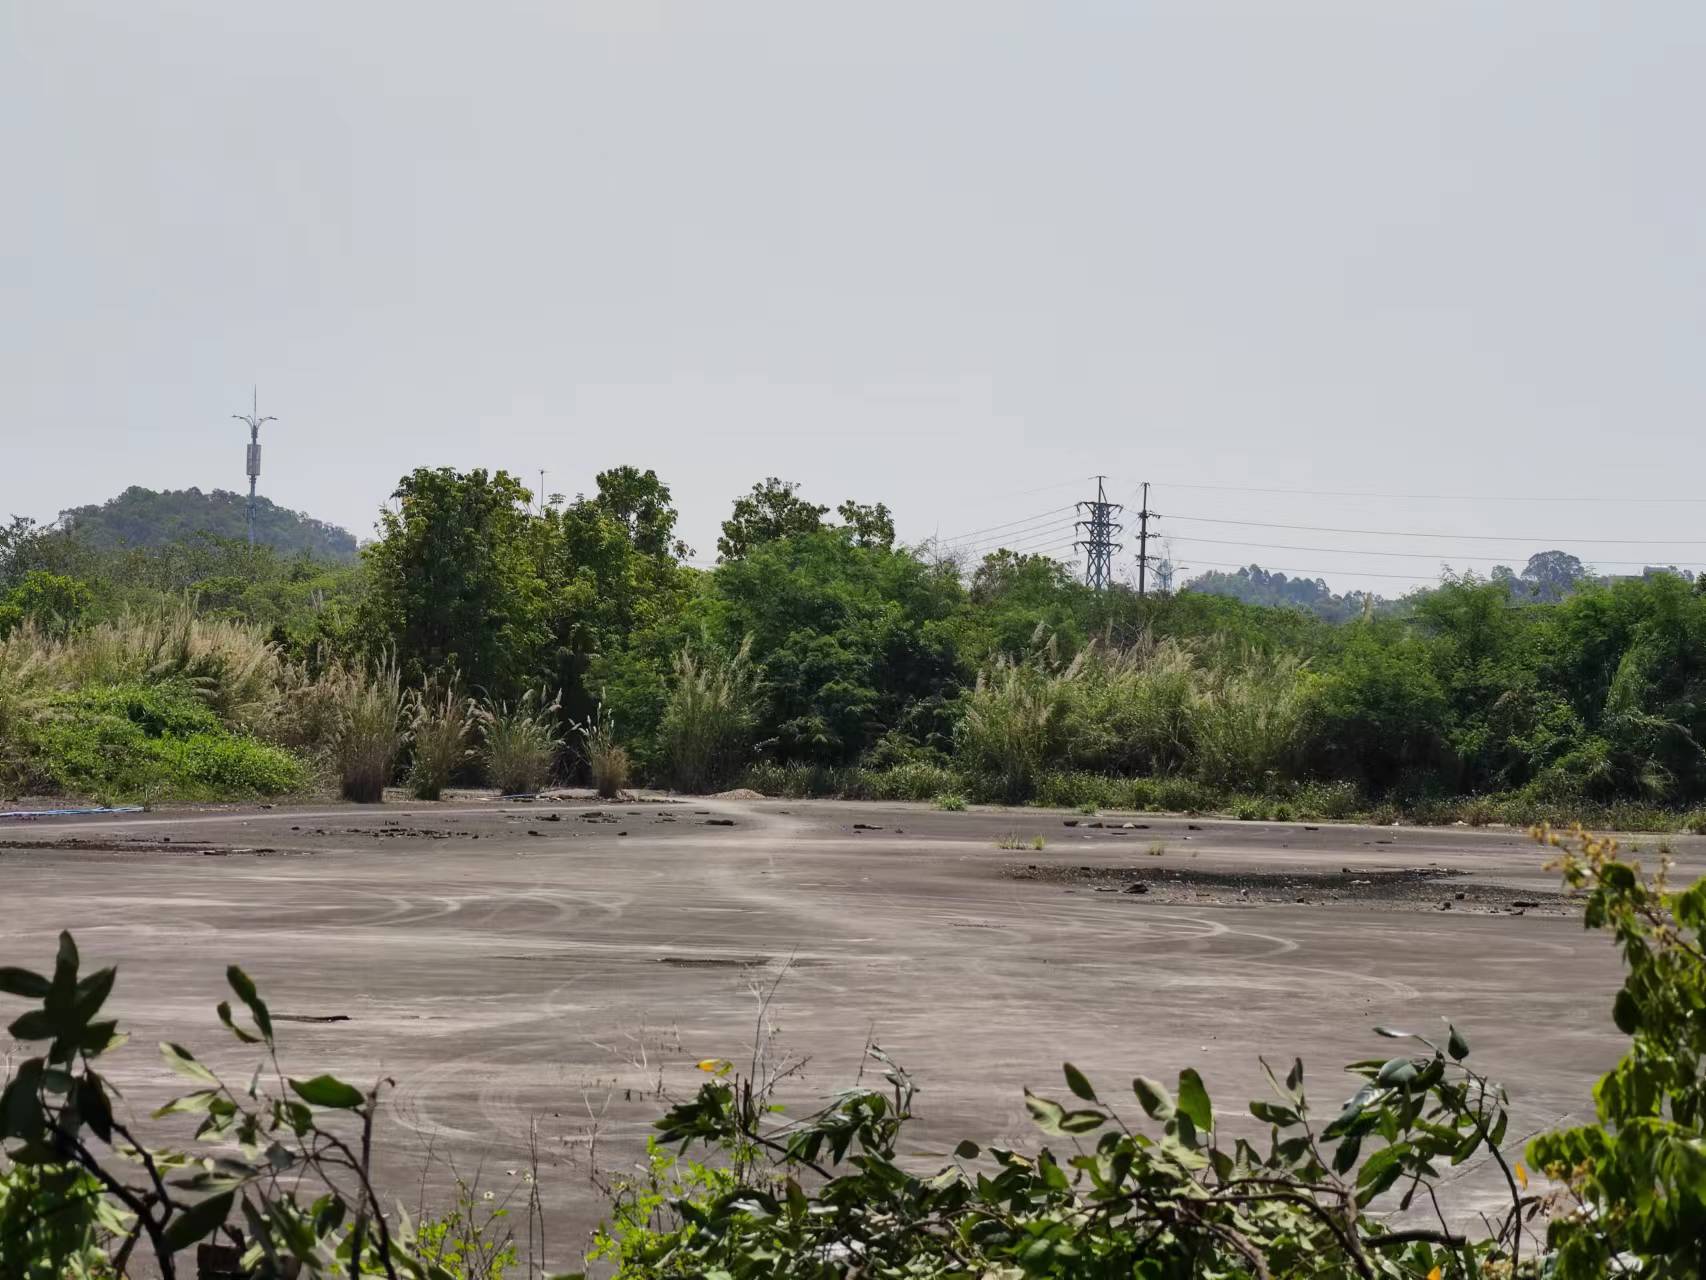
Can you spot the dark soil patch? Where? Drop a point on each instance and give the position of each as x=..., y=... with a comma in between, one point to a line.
x=1407, y=889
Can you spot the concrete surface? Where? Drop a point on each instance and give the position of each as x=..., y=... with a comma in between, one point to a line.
x=504, y=968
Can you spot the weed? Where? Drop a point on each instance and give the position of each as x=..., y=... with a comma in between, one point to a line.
x=1156, y=848
x=1039, y=843
x=1011, y=840
x=951, y=802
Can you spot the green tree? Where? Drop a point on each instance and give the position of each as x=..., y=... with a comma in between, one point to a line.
x=771, y=511
x=871, y=526
x=455, y=582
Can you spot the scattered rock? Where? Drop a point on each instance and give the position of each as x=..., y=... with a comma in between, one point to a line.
x=1522, y=902
x=865, y=826
x=1138, y=887
x=1069, y=822
x=552, y=817
x=719, y=822
x=1191, y=826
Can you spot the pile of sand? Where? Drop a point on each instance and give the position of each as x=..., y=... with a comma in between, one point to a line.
x=740, y=793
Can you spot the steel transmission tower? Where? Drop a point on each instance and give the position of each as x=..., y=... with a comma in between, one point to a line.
x=1098, y=540
x=254, y=419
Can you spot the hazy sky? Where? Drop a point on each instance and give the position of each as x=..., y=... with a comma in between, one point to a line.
x=951, y=256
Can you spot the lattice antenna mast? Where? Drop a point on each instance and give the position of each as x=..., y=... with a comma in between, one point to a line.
x=254, y=420
x=1098, y=542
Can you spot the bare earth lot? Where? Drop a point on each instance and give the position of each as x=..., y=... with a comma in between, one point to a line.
x=505, y=962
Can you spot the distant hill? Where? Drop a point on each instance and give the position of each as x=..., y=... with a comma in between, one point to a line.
x=1255, y=585
x=141, y=517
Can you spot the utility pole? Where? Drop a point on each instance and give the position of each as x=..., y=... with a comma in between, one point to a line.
x=1143, y=542
x=1098, y=542
x=254, y=419
x=541, y=493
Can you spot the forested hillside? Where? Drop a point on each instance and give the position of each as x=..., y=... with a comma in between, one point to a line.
x=818, y=655
x=141, y=517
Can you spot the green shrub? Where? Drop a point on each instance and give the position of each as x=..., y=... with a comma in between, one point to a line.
x=951, y=802
x=520, y=741
x=147, y=742
x=918, y=780
x=230, y=765
x=1333, y=801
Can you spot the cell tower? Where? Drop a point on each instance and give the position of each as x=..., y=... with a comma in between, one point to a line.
x=254, y=419
x=1098, y=541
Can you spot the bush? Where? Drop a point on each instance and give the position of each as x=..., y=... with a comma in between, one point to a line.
x=951, y=802
x=148, y=742
x=919, y=780
x=521, y=741
x=709, y=719
x=441, y=720
x=369, y=734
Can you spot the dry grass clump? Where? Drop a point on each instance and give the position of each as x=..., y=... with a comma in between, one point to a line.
x=520, y=740
x=441, y=722
x=369, y=731
x=606, y=759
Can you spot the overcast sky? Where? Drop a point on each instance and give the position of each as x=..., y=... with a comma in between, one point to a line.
x=953, y=256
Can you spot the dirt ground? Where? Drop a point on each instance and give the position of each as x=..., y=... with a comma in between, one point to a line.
x=562, y=963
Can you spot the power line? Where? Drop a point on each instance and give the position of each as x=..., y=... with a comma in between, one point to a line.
x=1041, y=515
x=1466, y=537
x=1005, y=539
x=1422, y=497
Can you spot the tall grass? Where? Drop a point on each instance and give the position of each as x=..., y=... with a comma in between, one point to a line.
x=1157, y=710
x=1015, y=724
x=1129, y=711
x=441, y=721
x=369, y=732
x=232, y=666
x=709, y=719
x=606, y=759
x=29, y=675
x=1248, y=722
x=520, y=740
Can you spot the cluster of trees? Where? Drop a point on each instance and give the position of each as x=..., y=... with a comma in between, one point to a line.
x=860, y=651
